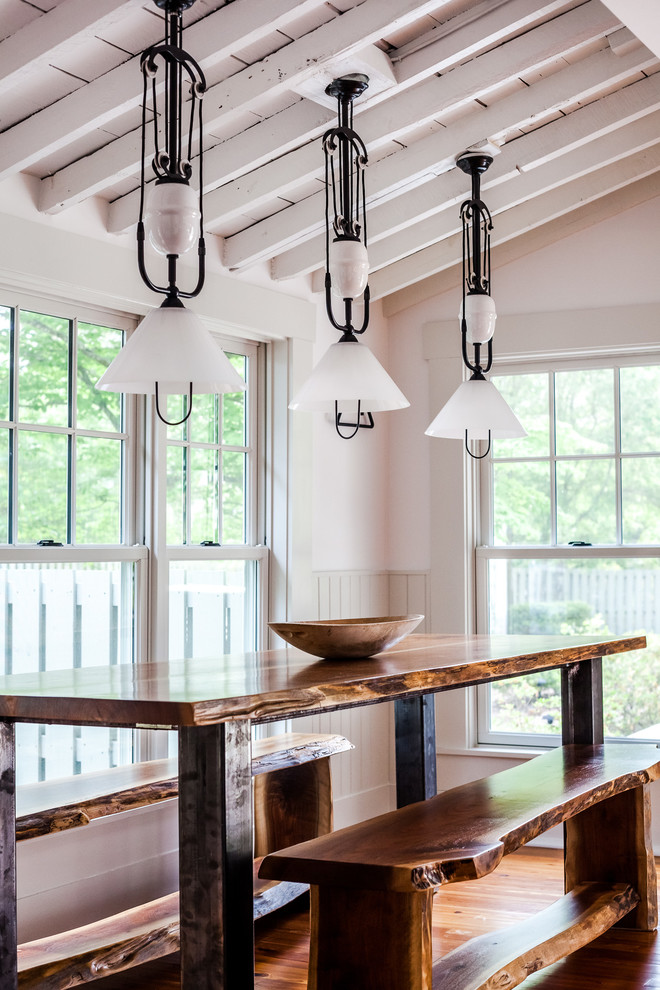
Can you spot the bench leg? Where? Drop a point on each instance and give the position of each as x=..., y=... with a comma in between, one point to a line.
x=292, y=805
x=611, y=842
x=370, y=940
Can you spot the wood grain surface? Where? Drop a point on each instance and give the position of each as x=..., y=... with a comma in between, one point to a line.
x=464, y=832
x=100, y=949
x=501, y=960
x=269, y=685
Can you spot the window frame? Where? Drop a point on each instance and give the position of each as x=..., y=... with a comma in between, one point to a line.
x=485, y=549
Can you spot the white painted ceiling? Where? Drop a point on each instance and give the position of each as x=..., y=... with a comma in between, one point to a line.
x=565, y=92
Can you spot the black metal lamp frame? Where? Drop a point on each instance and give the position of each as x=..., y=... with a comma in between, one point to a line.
x=172, y=160
x=346, y=160
x=477, y=224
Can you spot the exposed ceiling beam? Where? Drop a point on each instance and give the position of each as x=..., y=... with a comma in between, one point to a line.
x=212, y=39
x=518, y=220
x=583, y=217
x=377, y=123
x=523, y=187
x=267, y=238
x=461, y=32
x=39, y=41
x=352, y=31
x=428, y=155
x=572, y=83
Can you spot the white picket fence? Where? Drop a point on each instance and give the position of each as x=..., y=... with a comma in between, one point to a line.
x=627, y=599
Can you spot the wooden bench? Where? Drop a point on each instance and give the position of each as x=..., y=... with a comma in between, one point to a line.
x=292, y=802
x=373, y=883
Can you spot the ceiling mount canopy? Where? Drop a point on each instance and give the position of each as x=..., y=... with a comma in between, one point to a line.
x=348, y=377
x=476, y=411
x=171, y=351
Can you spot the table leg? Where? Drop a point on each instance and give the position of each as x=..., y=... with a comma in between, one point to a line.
x=582, y=702
x=415, y=749
x=215, y=857
x=8, y=939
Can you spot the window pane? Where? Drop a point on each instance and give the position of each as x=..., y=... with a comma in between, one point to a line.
x=176, y=495
x=98, y=490
x=640, y=409
x=42, y=487
x=176, y=407
x=212, y=608
x=44, y=370
x=586, y=501
x=97, y=347
x=640, y=483
x=233, y=408
x=528, y=396
x=203, y=422
x=521, y=494
x=203, y=495
x=233, y=497
x=604, y=597
x=584, y=411
x=6, y=318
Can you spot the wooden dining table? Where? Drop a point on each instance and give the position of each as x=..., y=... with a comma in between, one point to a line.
x=213, y=703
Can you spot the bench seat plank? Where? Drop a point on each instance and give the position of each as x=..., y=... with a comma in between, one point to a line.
x=53, y=806
x=503, y=959
x=104, y=947
x=463, y=833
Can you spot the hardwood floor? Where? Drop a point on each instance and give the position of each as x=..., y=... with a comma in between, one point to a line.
x=525, y=883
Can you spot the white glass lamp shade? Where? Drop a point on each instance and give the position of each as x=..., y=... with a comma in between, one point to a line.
x=171, y=346
x=476, y=406
x=349, y=267
x=172, y=217
x=480, y=317
x=349, y=372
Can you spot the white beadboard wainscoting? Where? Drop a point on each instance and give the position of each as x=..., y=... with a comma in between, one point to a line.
x=363, y=778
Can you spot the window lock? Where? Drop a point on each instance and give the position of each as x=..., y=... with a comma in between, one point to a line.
x=48, y=543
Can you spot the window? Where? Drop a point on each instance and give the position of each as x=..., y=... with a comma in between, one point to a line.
x=75, y=567
x=573, y=540
x=217, y=567
x=68, y=578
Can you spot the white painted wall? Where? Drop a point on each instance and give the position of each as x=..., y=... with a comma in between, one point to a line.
x=349, y=489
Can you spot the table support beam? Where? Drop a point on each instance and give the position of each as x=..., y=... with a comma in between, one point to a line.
x=582, y=702
x=215, y=856
x=8, y=936
x=416, y=778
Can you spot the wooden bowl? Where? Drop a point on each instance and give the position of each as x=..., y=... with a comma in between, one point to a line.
x=346, y=639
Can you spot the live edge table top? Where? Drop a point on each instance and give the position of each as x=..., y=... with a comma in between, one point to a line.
x=274, y=684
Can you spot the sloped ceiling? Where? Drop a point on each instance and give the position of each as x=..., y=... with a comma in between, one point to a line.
x=566, y=93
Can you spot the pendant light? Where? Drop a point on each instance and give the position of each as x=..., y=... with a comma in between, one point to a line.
x=348, y=379
x=171, y=351
x=476, y=410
